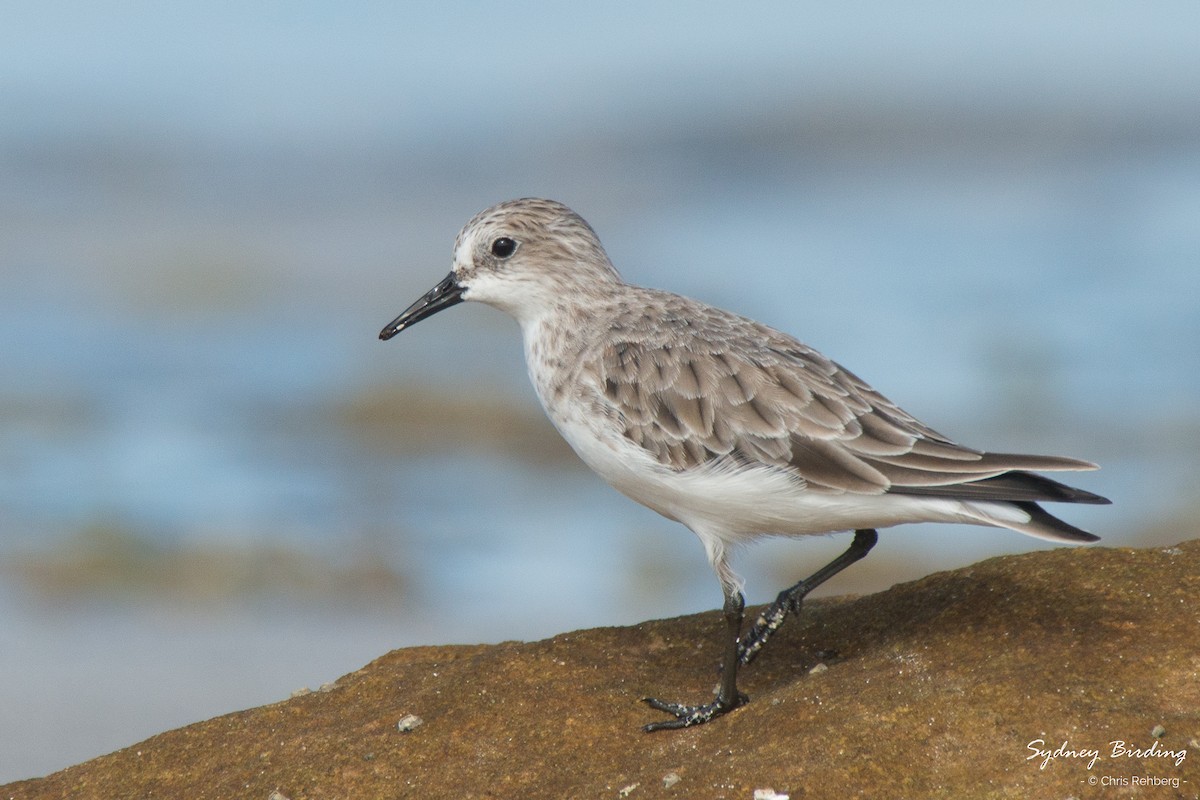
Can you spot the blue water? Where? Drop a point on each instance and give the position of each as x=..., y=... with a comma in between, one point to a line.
x=207, y=212
x=188, y=422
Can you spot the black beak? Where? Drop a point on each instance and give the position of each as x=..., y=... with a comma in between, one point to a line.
x=445, y=294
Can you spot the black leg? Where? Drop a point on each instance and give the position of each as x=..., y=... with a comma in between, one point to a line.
x=742, y=650
x=728, y=697
x=789, y=600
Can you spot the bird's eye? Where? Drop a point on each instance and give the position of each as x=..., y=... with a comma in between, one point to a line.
x=504, y=247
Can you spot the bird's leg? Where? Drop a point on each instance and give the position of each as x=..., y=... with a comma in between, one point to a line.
x=728, y=697
x=789, y=600
x=742, y=650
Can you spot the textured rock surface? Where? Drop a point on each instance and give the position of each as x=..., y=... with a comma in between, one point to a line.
x=937, y=690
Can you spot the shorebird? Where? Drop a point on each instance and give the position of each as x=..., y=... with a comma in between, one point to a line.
x=724, y=424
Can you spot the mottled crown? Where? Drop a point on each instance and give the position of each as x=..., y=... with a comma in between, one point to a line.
x=546, y=229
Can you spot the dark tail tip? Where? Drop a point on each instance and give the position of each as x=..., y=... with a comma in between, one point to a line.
x=1043, y=518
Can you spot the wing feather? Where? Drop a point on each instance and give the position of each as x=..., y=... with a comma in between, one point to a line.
x=692, y=391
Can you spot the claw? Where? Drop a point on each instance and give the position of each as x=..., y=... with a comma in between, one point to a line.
x=687, y=716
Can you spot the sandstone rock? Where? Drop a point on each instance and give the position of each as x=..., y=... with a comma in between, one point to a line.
x=938, y=689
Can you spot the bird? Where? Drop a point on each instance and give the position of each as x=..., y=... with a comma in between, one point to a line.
x=730, y=427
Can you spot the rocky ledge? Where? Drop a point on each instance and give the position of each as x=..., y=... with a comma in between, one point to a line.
x=1065, y=673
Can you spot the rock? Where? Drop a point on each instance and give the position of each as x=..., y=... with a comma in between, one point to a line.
x=997, y=680
x=409, y=722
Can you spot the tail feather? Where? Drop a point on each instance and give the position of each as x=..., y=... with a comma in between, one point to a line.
x=1047, y=522
x=1031, y=519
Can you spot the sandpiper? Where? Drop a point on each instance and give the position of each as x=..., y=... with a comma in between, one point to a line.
x=722, y=423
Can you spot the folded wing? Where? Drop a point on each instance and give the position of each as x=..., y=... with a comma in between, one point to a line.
x=752, y=394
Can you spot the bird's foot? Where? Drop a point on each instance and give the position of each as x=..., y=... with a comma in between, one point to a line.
x=687, y=716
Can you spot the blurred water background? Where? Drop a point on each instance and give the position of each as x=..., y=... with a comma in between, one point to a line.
x=217, y=486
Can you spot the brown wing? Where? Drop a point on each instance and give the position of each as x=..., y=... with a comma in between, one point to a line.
x=693, y=390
